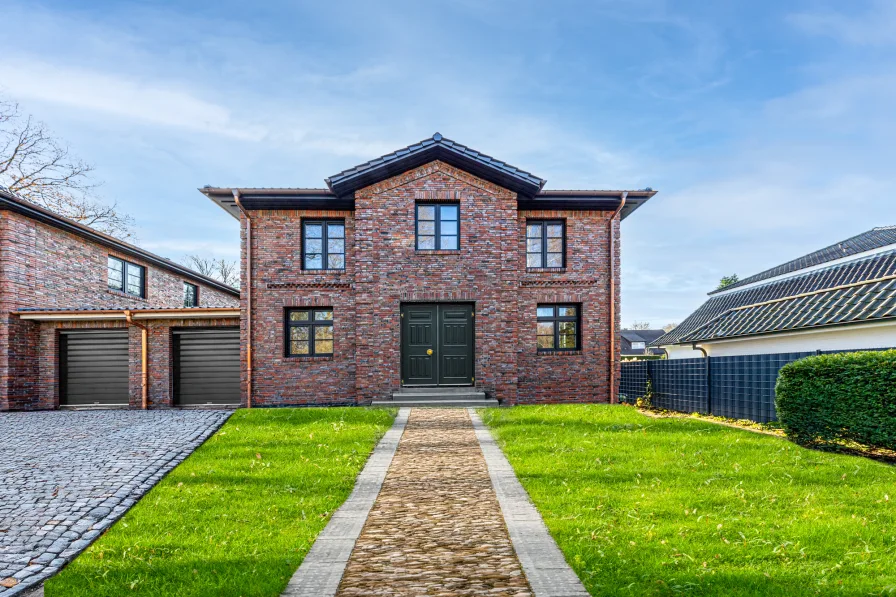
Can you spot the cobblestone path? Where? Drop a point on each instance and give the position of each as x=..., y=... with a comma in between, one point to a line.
x=65, y=477
x=436, y=528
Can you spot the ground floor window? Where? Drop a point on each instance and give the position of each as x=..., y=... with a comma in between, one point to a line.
x=558, y=327
x=309, y=332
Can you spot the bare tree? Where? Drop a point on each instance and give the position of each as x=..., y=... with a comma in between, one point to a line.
x=38, y=167
x=222, y=270
x=640, y=325
x=669, y=327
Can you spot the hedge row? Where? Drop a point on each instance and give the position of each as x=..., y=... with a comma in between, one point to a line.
x=845, y=396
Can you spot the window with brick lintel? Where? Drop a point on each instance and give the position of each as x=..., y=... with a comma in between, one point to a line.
x=127, y=277
x=309, y=332
x=558, y=327
x=438, y=226
x=323, y=244
x=545, y=243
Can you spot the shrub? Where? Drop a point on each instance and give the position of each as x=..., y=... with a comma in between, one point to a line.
x=844, y=396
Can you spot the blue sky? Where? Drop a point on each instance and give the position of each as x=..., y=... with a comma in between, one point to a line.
x=766, y=126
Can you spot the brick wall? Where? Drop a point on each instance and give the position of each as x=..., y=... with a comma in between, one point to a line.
x=384, y=269
x=44, y=267
x=279, y=282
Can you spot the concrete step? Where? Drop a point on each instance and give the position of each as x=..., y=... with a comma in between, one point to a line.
x=425, y=396
x=443, y=403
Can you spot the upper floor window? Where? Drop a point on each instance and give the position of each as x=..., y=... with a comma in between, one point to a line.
x=309, y=332
x=191, y=295
x=545, y=243
x=638, y=345
x=127, y=277
x=323, y=244
x=438, y=226
x=558, y=327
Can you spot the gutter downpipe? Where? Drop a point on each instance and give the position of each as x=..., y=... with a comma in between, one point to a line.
x=236, y=198
x=144, y=358
x=613, y=396
x=696, y=346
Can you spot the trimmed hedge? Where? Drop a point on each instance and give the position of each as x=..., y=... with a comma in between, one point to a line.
x=844, y=396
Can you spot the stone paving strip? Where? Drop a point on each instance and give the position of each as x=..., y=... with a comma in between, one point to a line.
x=436, y=528
x=548, y=573
x=322, y=568
x=66, y=476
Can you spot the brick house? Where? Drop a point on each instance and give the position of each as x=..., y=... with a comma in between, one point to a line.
x=86, y=319
x=433, y=267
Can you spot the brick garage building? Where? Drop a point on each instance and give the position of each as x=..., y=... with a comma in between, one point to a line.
x=433, y=266
x=69, y=293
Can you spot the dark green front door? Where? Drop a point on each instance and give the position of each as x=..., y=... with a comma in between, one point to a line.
x=437, y=345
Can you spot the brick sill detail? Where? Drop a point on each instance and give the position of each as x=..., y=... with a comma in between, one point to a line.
x=545, y=270
x=559, y=353
x=437, y=252
x=328, y=357
x=132, y=297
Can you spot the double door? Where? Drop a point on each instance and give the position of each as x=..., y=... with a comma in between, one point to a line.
x=437, y=344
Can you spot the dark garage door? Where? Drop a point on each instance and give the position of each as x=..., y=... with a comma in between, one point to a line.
x=94, y=368
x=207, y=366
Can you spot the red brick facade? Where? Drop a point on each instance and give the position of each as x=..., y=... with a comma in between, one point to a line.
x=44, y=267
x=384, y=270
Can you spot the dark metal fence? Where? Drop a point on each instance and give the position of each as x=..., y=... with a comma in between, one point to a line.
x=741, y=387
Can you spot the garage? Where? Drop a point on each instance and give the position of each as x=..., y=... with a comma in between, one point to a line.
x=93, y=368
x=206, y=366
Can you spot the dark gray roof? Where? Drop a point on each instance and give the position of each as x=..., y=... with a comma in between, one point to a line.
x=441, y=148
x=865, y=301
x=867, y=241
x=641, y=335
x=768, y=311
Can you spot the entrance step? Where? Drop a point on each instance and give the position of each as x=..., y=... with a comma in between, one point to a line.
x=438, y=397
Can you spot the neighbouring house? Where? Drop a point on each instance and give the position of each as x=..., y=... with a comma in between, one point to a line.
x=86, y=319
x=636, y=343
x=842, y=297
x=432, y=266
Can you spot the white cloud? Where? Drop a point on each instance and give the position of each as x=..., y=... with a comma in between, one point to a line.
x=152, y=102
x=875, y=27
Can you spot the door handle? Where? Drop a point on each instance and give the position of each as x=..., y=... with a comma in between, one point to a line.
x=428, y=351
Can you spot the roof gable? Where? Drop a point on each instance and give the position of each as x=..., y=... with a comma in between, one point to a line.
x=435, y=148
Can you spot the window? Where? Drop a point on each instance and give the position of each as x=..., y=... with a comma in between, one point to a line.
x=545, y=243
x=127, y=277
x=558, y=327
x=438, y=226
x=637, y=346
x=323, y=244
x=309, y=332
x=191, y=295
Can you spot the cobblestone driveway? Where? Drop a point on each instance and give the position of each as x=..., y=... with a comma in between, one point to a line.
x=66, y=476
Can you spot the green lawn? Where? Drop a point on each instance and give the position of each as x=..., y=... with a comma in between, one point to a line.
x=238, y=516
x=645, y=506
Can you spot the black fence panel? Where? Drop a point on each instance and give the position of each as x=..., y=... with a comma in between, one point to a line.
x=738, y=387
x=679, y=384
x=743, y=387
x=633, y=381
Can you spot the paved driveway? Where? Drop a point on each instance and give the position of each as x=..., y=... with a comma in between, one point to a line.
x=66, y=476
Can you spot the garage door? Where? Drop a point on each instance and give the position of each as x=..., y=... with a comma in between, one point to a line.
x=207, y=366
x=94, y=368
